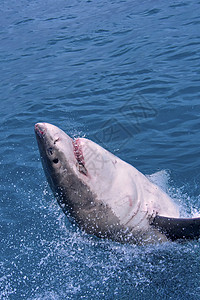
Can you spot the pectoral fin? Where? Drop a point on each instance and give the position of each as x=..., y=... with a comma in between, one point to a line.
x=178, y=228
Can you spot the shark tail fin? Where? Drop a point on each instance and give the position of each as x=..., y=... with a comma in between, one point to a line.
x=178, y=228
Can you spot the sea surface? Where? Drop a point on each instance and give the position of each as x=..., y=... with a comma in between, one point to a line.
x=125, y=74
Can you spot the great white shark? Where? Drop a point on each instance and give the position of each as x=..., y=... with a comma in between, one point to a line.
x=106, y=196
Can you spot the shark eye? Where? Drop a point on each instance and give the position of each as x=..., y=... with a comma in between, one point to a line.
x=55, y=160
x=50, y=151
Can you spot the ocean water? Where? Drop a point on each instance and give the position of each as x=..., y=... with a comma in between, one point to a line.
x=125, y=74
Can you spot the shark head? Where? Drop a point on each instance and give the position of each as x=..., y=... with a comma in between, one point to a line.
x=105, y=195
x=80, y=173
x=79, y=161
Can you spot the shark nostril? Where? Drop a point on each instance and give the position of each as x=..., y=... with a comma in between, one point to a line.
x=56, y=140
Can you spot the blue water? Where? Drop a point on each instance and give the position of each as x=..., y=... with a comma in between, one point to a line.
x=125, y=74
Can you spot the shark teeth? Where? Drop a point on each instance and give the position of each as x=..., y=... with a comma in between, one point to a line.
x=79, y=156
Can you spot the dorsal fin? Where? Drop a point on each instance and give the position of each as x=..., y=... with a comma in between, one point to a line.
x=178, y=228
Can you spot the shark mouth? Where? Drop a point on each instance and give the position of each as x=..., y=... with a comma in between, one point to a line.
x=78, y=153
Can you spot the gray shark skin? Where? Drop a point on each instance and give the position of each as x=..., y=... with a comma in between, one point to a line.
x=106, y=196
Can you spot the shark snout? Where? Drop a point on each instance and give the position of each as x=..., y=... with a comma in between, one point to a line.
x=40, y=129
x=51, y=138
x=49, y=131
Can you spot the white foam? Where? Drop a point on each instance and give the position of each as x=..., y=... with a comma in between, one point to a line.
x=160, y=178
x=182, y=199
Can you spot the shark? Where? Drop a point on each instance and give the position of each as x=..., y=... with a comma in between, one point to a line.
x=106, y=196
